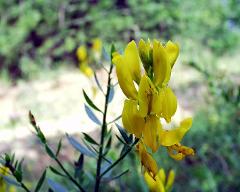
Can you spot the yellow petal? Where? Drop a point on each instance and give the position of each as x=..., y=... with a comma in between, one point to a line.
x=149, y=163
x=161, y=66
x=164, y=103
x=132, y=122
x=85, y=69
x=82, y=53
x=160, y=185
x=151, y=183
x=145, y=92
x=175, y=155
x=131, y=57
x=145, y=53
x=161, y=175
x=151, y=132
x=124, y=77
x=170, y=180
x=178, y=151
x=172, y=137
x=172, y=50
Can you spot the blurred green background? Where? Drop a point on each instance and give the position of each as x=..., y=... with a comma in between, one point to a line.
x=38, y=43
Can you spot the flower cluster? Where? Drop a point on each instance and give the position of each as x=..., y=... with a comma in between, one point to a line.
x=150, y=99
x=84, y=57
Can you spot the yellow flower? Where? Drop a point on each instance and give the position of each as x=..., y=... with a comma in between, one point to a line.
x=178, y=152
x=151, y=132
x=159, y=183
x=82, y=53
x=161, y=65
x=174, y=136
x=85, y=69
x=164, y=103
x=172, y=51
x=97, y=45
x=131, y=119
x=147, y=161
x=3, y=171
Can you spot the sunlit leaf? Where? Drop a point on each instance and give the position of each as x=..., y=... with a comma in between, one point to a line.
x=97, y=82
x=91, y=115
x=106, y=56
x=111, y=94
x=10, y=181
x=56, y=187
x=79, y=146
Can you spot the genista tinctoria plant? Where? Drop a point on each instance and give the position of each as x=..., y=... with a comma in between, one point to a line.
x=149, y=100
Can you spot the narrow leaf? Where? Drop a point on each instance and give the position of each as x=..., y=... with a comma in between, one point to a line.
x=89, y=139
x=124, y=149
x=40, y=182
x=56, y=187
x=59, y=147
x=10, y=181
x=90, y=102
x=112, y=51
x=55, y=171
x=49, y=152
x=123, y=133
x=91, y=115
x=79, y=146
x=107, y=179
x=108, y=145
x=79, y=166
x=111, y=94
x=97, y=82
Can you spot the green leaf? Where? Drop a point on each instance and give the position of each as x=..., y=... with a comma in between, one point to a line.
x=79, y=166
x=59, y=147
x=40, y=182
x=91, y=115
x=107, y=179
x=55, y=171
x=80, y=147
x=89, y=139
x=112, y=51
x=124, y=149
x=108, y=145
x=123, y=134
x=49, y=152
x=90, y=102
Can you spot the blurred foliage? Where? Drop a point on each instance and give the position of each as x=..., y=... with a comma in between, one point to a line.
x=42, y=34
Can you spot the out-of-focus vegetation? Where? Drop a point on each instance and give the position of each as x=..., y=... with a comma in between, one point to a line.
x=42, y=34
x=37, y=35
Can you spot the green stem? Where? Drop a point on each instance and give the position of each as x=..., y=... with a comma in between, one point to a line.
x=103, y=130
x=68, y=175
x=120, y=158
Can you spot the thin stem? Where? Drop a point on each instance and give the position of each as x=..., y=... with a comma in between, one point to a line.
x=120, y=158
x=12, y=169
x=103, y=130
x=68, y=175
